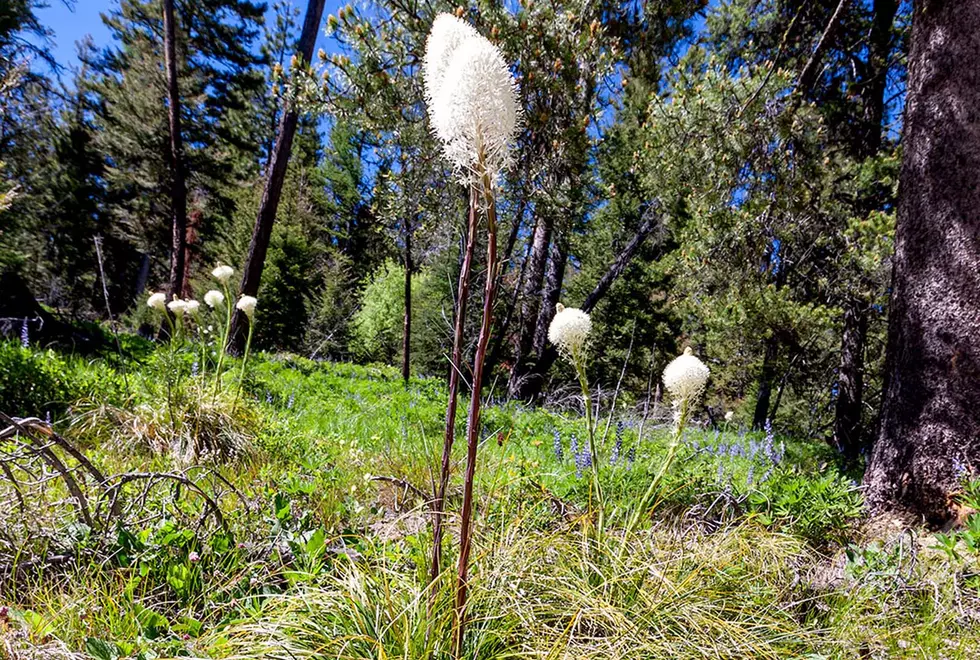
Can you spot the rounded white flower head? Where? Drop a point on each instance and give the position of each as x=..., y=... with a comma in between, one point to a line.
x=192, y=306
x=157, y=301
x=177, y=306
x=569, y=330
x=729, y=416
x=247, y=305
x=223, y=273
x=214, y=298
x=475, y=113
x=685, y=377
x=445, y=37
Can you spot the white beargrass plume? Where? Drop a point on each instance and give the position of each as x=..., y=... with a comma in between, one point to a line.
x=685, y=378
x=177, y=306
x=569, y=331
x=246, y=304
x=445, y=37
x=192, y=306
x=223, y=273
x=474, y=112
x=157, y=301
x=214, y=298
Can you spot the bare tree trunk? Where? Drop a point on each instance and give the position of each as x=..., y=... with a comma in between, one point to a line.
x=407, y=334
x=278, y=162
x=178, y=184
x=930, y=419
x=766, y=376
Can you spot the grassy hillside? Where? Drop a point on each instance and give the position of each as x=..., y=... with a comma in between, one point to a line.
x=288, y=520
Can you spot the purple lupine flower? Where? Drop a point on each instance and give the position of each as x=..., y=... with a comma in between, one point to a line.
x=721, y=471
x=25, y=335
x=47, y=418
x=194, y=368
x=289, y=402
x=751, y=474
x=574, y=445
x=631, y=457
x=583, y=461
x=268, y=397
x=618, y=447
x=770, y=442
x=559, y=450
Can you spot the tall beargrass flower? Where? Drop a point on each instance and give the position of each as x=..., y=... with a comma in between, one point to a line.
x=472, y=104
x=246, y=304
x=685, y=379
x=569, y=332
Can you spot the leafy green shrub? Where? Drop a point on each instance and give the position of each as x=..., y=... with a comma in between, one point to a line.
x=377, y=326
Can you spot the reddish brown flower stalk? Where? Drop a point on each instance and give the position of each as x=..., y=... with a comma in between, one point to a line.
x=456, y=363
x=473, y=419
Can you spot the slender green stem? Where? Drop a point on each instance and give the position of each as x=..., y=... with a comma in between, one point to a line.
x=644, y=502
x=248, y=346
x=593, y=451
x=224, y=343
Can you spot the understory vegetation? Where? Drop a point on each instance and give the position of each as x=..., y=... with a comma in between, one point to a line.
x=292, y=521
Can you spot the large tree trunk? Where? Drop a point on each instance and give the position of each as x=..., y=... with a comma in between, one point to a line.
x=930, y=420
x=262, y=232
x=178, y=185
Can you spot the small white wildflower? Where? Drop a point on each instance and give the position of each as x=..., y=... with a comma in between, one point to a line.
x=569, y=330
x=685, y=377
x=247, y=305
x=192, y=306
x=475, y=114
x=214, y=298
x=729, y=416
x=157, y=301
x=223, y=273
x=177, y=306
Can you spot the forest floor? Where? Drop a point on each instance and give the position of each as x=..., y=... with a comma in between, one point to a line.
x=290, y=521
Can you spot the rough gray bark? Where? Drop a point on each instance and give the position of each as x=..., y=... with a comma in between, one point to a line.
x=930, y=421
x=268, y=207
x=178, y=185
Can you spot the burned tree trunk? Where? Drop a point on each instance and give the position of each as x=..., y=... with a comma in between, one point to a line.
x=278, y=162
x=178, y=184
x=531, y=302
x=930, y=419
x=850, y=380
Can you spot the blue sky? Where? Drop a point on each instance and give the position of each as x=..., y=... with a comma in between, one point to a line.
x=72, y=23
